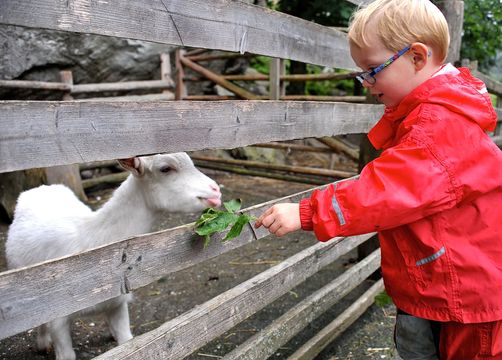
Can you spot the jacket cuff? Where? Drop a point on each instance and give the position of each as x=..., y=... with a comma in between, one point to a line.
x=306, y=215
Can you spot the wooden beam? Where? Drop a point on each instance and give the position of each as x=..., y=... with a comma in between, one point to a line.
x=220, y=24
x=277, y=88
x=87, y=88
x=49, y=133
x=243, y=93
x=352, y=99
x=294, y=147
x=181, y=336
x=265, y=343
x=262, y=173
x=289, y=77
x=279, y=167
x=34, y=85
x=224, y=56
x=327, y=335
x=340, y=147
x=123, y=86
x=492, y=85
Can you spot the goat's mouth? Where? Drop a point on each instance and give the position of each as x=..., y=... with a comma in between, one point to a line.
x=211, y=202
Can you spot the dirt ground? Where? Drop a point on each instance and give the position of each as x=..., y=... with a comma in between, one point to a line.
x=369, y=338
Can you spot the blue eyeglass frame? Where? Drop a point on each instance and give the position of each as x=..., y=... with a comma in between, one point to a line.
x=369, y=76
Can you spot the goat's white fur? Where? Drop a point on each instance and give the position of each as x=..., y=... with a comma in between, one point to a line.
x=50, y=222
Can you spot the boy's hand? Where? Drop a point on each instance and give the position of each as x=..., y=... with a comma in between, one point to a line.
x=280, y=219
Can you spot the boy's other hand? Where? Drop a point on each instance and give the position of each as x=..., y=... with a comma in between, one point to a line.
x=280, y=219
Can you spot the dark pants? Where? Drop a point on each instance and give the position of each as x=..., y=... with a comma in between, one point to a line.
x=416, y=338
x=421, y=339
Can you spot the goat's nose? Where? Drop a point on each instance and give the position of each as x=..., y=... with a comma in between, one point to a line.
x=215, y=187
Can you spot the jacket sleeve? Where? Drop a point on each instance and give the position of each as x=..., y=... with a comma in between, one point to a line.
x=406, y=183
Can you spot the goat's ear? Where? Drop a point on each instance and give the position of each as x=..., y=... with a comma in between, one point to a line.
x=134, y=165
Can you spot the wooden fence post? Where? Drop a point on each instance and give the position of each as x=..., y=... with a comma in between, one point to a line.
x=68, y=175
x=453, y=11
x=276, y=86
x=165, y=71
x=180, y=92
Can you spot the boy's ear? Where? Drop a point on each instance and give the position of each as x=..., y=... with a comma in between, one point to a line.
x=420, y=55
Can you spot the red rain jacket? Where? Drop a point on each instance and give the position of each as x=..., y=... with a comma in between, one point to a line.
x=435, y=198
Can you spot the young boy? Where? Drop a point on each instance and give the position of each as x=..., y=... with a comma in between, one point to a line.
x=433, y=195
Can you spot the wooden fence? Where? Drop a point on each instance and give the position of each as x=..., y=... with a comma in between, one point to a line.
x=40, y=134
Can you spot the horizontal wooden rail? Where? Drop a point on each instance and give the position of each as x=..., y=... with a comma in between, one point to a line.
x=117, y=269
x=492, y=85
x=88, y=88
x=290, y=77
x=123, y=86
x=49, y=133
x=346, y=98
x=351, y=99
x=181, y=336
x=265, y=343
x=34, y=85
x=305, y=179
x=218, y=24
x=294, y=147
x=224, y=56
x=279, y=167
x=320, y=341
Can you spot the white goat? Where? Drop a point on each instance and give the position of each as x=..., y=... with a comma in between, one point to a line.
x=50, y=222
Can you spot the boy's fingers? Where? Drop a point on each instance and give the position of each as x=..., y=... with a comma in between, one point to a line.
x=259, y=221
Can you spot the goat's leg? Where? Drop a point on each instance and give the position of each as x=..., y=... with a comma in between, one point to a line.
x=118, y=322
x=44, y=341
x=59, y=330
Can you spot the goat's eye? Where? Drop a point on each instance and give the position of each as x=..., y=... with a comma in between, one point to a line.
x=166, y=169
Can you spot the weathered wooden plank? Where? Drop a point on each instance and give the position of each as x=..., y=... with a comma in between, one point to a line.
x=492, y=85
x=181, y=336
x=123, y=86
x=41, y=134
x=266, y=342
x=217, y=24
x=70, y=284
x=315, y=345
x=30, y=84
x=279, y=167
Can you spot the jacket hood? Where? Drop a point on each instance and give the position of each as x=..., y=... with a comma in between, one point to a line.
x=455, y=89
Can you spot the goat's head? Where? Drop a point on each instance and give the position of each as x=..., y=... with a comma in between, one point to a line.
x=170, y=182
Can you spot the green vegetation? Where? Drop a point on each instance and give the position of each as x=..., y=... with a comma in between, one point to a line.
x=383, y=299
x=214, y=221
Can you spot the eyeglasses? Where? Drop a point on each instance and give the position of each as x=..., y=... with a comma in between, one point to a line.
x=369, y=76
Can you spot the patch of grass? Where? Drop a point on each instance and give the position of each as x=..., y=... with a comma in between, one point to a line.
x=383, y=299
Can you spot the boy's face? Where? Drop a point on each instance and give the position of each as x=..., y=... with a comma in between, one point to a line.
x=392, y=83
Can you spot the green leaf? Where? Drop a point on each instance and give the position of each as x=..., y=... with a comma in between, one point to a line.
x=233, y=205
x=237, y=227
x=206, y=217
x=213, y=221
x=219, y=223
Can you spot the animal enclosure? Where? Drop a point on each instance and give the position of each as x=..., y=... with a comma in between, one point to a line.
x=43, y=134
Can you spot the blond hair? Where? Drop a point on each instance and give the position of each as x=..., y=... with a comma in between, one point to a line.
x=400, y=23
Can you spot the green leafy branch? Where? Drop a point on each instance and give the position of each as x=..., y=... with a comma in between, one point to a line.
x=213, y=221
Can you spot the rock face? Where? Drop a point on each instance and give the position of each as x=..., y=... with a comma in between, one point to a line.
x=34, y=54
